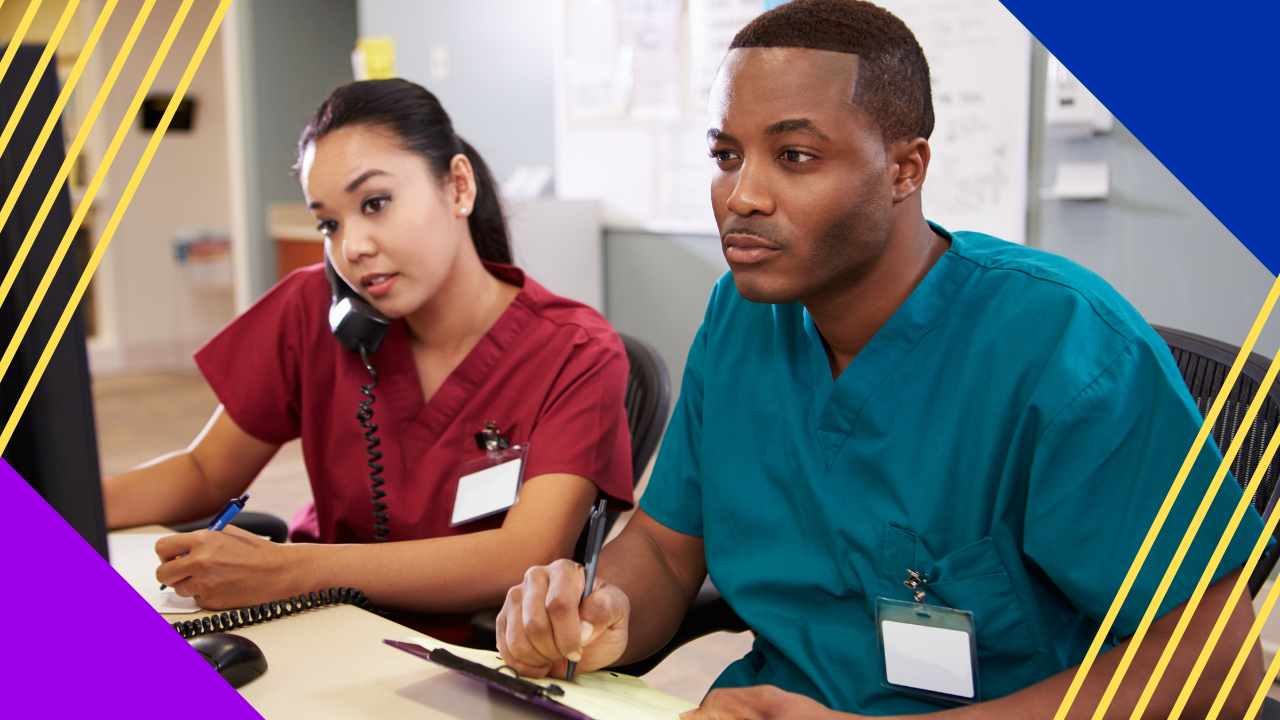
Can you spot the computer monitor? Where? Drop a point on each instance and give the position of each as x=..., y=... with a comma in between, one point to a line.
x=54, y=447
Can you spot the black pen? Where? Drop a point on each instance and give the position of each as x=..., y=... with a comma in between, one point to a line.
x=595, y=541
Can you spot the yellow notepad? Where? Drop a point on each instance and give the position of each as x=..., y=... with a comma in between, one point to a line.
x=602, y=695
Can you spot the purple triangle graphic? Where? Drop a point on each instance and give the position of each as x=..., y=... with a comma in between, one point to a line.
x=115, y=656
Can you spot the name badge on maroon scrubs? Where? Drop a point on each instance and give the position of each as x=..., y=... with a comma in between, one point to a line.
x=491, y=484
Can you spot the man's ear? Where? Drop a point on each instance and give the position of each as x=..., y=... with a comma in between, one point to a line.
x=910, y=162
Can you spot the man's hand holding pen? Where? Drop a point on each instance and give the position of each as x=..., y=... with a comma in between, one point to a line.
x=545, y=623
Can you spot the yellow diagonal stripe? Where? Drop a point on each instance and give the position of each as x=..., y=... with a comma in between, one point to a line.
x=49, y=124
x=18, y=36
x=1188, y=537
x=81, y=137
x=69, y=311
x=38, y=74
x=1246, y=649
x=126, y=123
x=1206, y=577
x=1269, y=678
x=1237, y=591
x=1104, y=629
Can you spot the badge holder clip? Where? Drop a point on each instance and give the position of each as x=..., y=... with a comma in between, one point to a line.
x=491, y=484
x=926, y=649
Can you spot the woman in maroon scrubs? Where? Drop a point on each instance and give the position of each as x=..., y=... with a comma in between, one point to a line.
x=412, y=220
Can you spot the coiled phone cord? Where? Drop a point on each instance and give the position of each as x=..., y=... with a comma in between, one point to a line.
x=245, y=617
x=375, y=470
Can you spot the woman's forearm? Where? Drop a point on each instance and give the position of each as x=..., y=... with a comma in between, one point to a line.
x=167, y=491
x=189, y=484
x=439, y=575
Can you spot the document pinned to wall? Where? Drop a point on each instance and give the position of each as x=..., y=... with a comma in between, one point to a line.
x=980, y=69
x=712, y=26
x=979, y=57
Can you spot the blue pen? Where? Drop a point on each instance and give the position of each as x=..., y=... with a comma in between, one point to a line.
x=224, y=516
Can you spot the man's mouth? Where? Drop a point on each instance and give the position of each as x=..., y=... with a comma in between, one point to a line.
x=745, y=249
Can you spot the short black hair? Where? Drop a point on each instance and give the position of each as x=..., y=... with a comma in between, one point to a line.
x=893, y=76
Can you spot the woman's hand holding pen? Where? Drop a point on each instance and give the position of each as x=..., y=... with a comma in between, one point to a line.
x=543, y=626
x=228, y=569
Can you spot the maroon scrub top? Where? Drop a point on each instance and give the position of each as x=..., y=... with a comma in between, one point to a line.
x=551, y=372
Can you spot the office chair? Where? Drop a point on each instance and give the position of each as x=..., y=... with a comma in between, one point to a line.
x=647, y=401
x=1204, y=364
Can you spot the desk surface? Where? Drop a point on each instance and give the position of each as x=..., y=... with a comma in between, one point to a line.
x=330, y=662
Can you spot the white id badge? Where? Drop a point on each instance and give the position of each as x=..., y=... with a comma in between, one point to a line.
x=928, y=650
x=488, y=485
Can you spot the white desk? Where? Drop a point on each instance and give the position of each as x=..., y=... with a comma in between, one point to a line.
x=330, y=663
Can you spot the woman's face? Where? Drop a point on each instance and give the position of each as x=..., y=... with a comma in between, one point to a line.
x=392, y=229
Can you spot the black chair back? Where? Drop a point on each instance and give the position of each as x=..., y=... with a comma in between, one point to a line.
x=1204, y=364
x=647, y=401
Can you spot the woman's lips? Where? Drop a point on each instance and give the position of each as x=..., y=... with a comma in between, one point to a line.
x=379, y=285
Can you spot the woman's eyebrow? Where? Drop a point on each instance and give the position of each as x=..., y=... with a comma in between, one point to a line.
x=365, y=176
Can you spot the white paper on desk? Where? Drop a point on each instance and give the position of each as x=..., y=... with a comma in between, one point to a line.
x=134, y=557
x=601, y=694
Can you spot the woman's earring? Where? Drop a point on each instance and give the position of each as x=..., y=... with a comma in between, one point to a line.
x=464, y=211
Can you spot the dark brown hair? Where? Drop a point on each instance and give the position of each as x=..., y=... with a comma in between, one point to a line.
x=893, y=76
x=415, y=117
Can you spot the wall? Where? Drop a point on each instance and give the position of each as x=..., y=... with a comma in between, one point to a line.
x=499, y=91
x=153, y=319
x=293, y=53
x=1151, y=239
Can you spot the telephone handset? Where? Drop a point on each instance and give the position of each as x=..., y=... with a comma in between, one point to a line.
x=360, y=328
x=352, y=319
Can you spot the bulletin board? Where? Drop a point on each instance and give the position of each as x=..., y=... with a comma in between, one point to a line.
x=633, y=77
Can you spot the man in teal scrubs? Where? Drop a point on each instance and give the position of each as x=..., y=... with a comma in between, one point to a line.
x=871, y=395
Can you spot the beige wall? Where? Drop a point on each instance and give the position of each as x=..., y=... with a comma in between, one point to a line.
x=150, y=317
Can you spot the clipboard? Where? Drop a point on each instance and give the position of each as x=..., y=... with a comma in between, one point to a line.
x=542, y=696
x=599, y=695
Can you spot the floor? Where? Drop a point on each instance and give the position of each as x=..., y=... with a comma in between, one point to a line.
x=143, y=416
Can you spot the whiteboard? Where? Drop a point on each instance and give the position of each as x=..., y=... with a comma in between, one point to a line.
x=642, y=151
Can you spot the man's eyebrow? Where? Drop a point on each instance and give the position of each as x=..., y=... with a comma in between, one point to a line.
x=365, y=176
x=803, y=125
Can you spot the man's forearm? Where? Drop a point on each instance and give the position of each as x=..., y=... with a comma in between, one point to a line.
x=660, y=591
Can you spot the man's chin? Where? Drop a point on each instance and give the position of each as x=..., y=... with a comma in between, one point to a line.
x=757, y=287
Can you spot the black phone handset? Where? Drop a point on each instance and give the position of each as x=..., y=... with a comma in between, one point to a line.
x=360, y=328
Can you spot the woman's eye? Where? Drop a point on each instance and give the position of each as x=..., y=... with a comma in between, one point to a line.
x=327, y=227
x=375, y=204
x=796, y=156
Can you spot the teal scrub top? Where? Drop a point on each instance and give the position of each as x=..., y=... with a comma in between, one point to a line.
x=1011, y=432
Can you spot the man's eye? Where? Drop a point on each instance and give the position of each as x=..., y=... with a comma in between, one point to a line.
x=796, y=156
x=721, y=156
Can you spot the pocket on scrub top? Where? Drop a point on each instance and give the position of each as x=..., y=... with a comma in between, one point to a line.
x=974, y=578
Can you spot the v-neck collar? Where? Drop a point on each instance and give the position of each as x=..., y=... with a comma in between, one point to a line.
x=838, y=403
x=423, y=423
